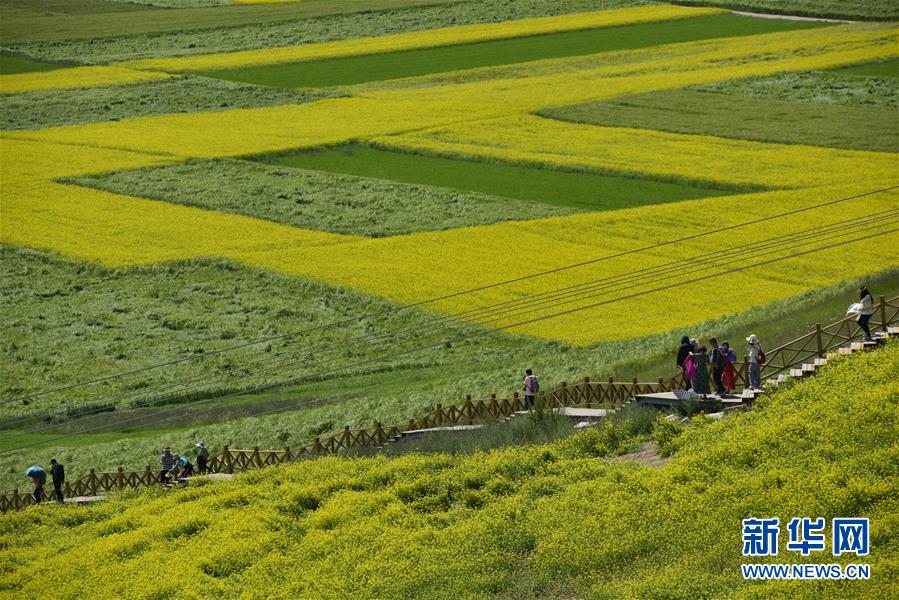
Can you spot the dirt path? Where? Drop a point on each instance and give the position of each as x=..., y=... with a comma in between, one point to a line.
x=787, y=17
x=648, y=457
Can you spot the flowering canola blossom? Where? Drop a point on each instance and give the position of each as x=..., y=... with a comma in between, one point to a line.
x=74, y=77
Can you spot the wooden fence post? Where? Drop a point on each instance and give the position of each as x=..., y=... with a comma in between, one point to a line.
x=439, y=415
x=229, y=460
x=564, y=396
x=287, y=455
x=120, y=478
x=883, y=314
x=148, y=474
x=317, y=445
x=745, y=371
x=93, y=482
x=586, y=390
x=819, y=340
x=410, y=426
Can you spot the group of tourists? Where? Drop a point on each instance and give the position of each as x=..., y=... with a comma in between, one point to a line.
x=174, y=467
x=697, y=361
x=39, y=479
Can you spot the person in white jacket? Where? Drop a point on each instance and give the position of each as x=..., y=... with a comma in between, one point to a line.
x=866, y=309
x=755, y=362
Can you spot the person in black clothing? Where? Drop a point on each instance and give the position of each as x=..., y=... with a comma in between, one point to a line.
x=716, y=360
x=58, y=473
x=682, y=353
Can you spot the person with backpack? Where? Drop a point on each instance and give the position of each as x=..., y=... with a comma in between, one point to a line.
x=865, y=310
x=58, y=474
x=716, y=362
x=756, y=360
x=682, y=353
x=531, y=387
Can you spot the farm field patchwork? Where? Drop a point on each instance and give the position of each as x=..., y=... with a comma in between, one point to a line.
x=378, y=19
x=412, y=63
x=166, y=219
x=704, y=113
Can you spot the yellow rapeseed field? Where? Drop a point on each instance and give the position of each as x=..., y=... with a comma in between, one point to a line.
x=698, y=158
x=75, y=77
x=415, y=267
x=483, y=113
x=446, y=36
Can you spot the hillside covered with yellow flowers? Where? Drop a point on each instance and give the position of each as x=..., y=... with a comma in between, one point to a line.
x=557, y=520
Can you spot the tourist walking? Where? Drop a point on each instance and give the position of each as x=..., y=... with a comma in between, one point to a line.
x=167, y=462
x=38, y=478
x=58, y=475
x=531, y=387
x=682, y=353
x=202, y=458
x=756, y=360
x=701, y=372
x=865, y=310
x=716, y=360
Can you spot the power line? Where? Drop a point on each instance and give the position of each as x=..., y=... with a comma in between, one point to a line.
x=444, y=297
x=588, y=289
x=506, y=326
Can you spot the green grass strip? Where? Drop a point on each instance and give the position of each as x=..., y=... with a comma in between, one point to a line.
x=745, y=118
x=413, y=63
x=884, y=68
x=586, y=191
x=10, y=64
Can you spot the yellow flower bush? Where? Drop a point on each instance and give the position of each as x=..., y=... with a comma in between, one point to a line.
x=533, y=521
x=446, y=36
x=75, y=77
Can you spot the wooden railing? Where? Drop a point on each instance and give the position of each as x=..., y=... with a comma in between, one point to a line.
x=586, y=393
x=822, y=340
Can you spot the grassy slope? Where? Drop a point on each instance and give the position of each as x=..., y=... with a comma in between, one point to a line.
x=706, y=113
x=872, y=10
x=53, y=108
x=105, y=322
x=533, y=522
x=324, y=201
x=822, y=87
x=378, y=19
x=583, y=191
x=412, y=63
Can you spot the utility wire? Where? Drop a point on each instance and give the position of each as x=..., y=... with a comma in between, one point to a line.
x=445, y=297
x=504, y=327
x=576, y=292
